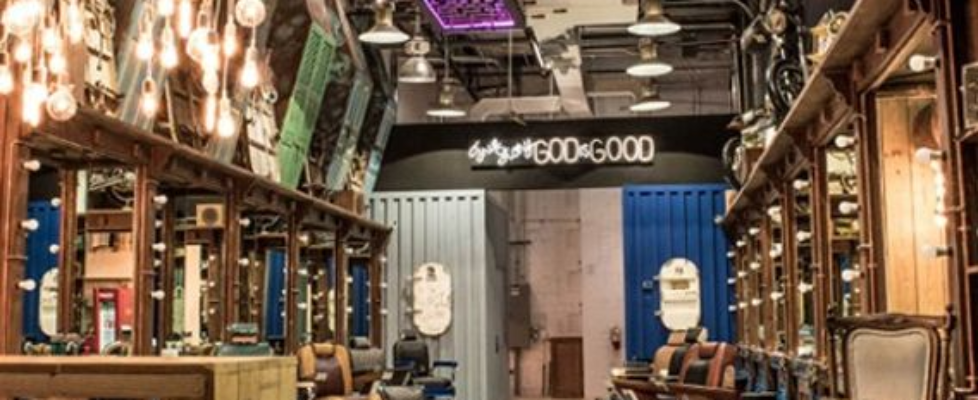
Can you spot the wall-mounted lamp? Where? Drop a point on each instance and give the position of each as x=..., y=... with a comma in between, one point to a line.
x=844, y=141
x=32, y=165
x=27, y=285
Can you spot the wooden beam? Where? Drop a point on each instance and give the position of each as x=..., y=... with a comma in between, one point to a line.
x=67, y=271
x=378, y=263
x=168, y=234
x=144, y=236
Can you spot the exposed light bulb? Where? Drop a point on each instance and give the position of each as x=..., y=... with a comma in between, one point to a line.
x=230, y=39
x=61, y=106
x=20, y=18
x=848, y=207
x=55, y=202
x=850, y=275
x=250, y=76
x=149, y=100
x=144, y=47
x=921, y=62
x=54, y=249
x=803, y=236
x=32, y=165
x=185, y=18
x=801, y=184
x=225, y=120
x=6, y=79
x=35, y=94
x=23, y=52
x=210, y=112
x=211, y=81
x=165, y=8
x=158, y=295
x=940, y=220
x=50, y=40
x=30, y=225
x=844, y=141
x=76, y=22
x=250, y=13
x=755, y=266
x=754, y=231
x=57, y=64
x=27, y=285
x=169, y=57
x=197, y=45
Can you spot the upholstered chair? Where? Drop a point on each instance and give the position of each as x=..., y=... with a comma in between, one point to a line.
x=893, y=357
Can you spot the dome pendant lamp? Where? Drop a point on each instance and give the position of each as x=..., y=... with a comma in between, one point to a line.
x=649, y=65
x=653, y=22
x=384, y=31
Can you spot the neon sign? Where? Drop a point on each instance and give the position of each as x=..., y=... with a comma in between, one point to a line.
x=539, y=152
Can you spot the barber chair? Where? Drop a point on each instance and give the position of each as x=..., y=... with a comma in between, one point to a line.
x=438, y=378
x=121, y=347
x=243, y=342
x=326, y=373
x=666, y=367
x=367, y=364
x=708, y=373
x=891, y=356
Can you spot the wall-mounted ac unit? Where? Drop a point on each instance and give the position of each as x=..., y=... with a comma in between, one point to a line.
x=210, y=216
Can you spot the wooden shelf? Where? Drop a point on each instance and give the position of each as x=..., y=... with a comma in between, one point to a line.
x=866, y=19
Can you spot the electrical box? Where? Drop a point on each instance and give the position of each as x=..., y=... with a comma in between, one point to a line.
x=519, y=324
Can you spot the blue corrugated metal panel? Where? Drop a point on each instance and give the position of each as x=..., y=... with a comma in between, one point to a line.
x=274, y=300
x=664, y=222
x=451, y=228
x=40, y=260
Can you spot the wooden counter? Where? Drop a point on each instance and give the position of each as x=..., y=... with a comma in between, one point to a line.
x=264, y=378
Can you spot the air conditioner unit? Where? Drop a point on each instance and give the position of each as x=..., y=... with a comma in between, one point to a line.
x=210, y=216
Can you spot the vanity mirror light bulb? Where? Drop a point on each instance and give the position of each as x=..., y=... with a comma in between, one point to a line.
x=777, y=296
x=157, y=262
x=844, y=141
x=741, y=243
x=211, y=284
x=32, y=165
x=776, y=251
x=732, y=281
x=27, y=285
x=741, y=274
x=244, y=261
x=801, y=184
x=850, y=275
x=774, y=212
x=848, y=207
x=302, y=306
x=927, y=155
x=755, y=266
x=731, y=255
x=160, y=200
x=212, y=311
x=158, y=295
x=933, y=251
x=754, y=231
x=732, y=308
x=30, y=225
x=803, y=236
x=54, y=249
x=742, y=305
x=384, y=312
x=303, y=272
x=159, y=247
x=718, y=219
x=756, y=302
x=805, y=287
x=349, y=310
x=158, y=224
x=244, y=222
x=55, y=202
x=348, y=250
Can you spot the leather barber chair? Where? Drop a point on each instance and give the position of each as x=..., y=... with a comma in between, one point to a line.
x=326, y=373
x=437, y=379
x=666, y=367
x=708, y=373
x=367, y=364
x=243, y=342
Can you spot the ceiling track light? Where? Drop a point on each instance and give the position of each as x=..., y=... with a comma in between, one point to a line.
x=384, y=31
x=650, y=101
x=649, y=65
x=653, y=22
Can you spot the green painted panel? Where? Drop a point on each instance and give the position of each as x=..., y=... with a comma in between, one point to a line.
x=356, y=112
x=379, y=145
x=304, y=105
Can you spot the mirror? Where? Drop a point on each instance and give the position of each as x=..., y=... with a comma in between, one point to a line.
x=802, y=229
x=776, y=277
x=841, y=158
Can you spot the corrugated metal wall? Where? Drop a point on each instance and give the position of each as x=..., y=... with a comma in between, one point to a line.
x=664, y=222
x=459, y=229
x=40, y=260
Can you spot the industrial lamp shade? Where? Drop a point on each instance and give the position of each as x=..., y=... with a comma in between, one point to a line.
x=446, y=107
x=417, y=69
x=653, y=22
x=384, y=31
x=649, y=65
x=650, y=101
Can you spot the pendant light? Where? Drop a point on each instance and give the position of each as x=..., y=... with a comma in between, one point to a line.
x=384, y=31
x=649, y=65
x=653, y=22
x=446, y=107
x=650, y=100
x=417, y=69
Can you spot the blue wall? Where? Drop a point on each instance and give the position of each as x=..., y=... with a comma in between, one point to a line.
x=39, y=262
x=668, y=221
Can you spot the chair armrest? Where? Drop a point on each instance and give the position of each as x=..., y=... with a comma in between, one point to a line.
x=445, y=364
x=713, y=393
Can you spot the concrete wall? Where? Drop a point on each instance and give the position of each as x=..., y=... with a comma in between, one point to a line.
x=568, y=247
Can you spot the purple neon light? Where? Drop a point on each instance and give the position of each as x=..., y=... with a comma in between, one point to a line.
x=458, y=15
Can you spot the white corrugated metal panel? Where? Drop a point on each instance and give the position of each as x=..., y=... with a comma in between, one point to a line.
x=451, y=228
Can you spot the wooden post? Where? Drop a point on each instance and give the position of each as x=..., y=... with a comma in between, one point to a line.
x=67, y=271
x=231, y=299
x=378, y=263
x=292, y=260
x=320, y=284
x=144, y=219
x=13, y=210
x=342, y=262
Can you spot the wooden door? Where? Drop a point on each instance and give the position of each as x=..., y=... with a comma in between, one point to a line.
x=566, y=368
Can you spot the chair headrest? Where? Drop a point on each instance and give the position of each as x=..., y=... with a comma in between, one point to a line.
x=359, y=343
x=409, y=334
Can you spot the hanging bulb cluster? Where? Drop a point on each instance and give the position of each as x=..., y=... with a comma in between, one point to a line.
x=32, y=53
x=209, y=47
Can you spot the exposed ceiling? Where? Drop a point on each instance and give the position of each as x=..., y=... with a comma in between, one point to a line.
x=569, y=59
